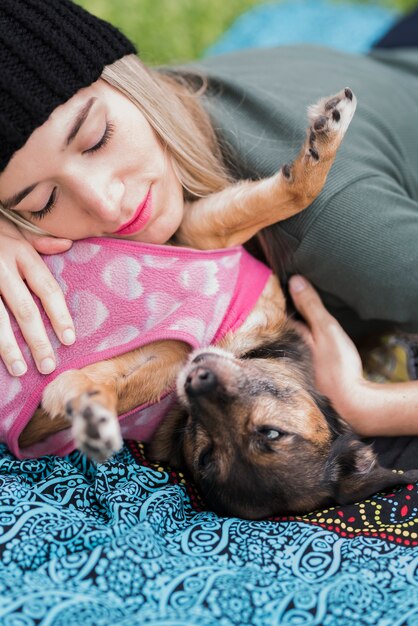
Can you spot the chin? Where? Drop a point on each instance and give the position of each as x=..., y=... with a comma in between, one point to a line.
x=159, y=232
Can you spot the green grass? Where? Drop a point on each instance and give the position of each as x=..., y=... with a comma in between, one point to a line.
x=170, y=30
x=179, y=30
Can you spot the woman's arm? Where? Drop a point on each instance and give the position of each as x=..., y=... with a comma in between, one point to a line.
x=22, y=270
x=372, y=409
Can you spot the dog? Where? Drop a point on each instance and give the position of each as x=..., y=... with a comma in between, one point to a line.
x=259, y=440
x=248, y=409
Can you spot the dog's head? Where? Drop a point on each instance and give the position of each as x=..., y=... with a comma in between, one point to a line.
x=260, y=441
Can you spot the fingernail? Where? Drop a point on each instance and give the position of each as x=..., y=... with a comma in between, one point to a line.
x=297, y=283
x=18, y=368
x=68, y=337
x=47, y=366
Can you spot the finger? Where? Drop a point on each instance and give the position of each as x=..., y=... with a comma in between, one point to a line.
x=48, y=290
x=47, y=245
x=308, y=302
x=28, y=318
x=9, y=350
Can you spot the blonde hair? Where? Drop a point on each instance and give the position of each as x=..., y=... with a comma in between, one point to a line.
x=170, y=103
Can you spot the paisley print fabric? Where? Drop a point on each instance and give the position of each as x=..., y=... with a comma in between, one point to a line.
x=131, y=543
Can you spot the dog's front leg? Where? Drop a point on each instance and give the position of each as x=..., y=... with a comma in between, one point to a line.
x=234, y=215
x=85, y=403
x=90, y=400
x=88, y=406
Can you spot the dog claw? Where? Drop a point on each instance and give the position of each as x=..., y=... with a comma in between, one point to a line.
x=287, y=170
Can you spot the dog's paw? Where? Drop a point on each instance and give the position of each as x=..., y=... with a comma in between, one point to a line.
x=330, y=117
x=95, y=429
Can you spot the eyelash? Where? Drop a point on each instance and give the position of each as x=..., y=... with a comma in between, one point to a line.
x=109, y=130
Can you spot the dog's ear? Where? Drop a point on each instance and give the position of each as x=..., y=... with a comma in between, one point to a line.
x=337, y=425
x=355, y=472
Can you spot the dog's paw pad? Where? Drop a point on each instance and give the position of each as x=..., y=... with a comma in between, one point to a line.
x=95, y=429
x=334, y=114
x=287, y=171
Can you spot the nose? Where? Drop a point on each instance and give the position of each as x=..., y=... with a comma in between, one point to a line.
x=101, y=197
x=200, y=380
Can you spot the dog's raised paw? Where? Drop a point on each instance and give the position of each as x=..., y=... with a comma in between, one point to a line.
x=330, y=118
x=95, y=429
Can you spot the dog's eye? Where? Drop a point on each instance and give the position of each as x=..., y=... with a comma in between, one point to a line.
x=205, y=457
x=269, y=433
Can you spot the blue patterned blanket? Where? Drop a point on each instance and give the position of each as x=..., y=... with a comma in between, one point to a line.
x=131, y=543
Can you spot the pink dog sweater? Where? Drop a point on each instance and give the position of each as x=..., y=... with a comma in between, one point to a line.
x=123, y=295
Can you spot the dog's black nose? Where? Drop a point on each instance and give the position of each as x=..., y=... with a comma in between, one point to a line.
x=200, y=381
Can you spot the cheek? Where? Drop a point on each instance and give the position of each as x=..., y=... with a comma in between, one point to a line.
x=139, y=139
x=169, y=196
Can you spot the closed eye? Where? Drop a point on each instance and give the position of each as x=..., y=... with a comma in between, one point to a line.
x=109, y=130
x=38, y=215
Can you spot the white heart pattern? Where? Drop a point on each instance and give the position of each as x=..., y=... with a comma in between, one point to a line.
x=231, y=260
x=192, y=326
x=82, y=252
x=123, y=335
x=121, y=276
x=218, y=314
x=56, y=264
x=160, y=305
x=200, y=277
x=159, y=261
x=89, y=313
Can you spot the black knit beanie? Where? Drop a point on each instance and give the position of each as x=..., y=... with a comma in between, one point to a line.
x=49, y=49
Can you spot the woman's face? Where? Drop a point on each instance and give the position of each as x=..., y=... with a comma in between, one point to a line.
x=95, y=168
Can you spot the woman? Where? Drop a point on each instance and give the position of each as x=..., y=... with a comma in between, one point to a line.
x=356, y=242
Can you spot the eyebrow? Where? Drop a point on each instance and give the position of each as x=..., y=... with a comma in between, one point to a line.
x=18, y=197
x=81, y=117
x=79, y=120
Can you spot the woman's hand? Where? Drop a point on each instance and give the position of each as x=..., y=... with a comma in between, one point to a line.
x=337, y=363
x=372, y=409
x=22, y=267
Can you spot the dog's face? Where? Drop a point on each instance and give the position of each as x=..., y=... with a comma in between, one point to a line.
x=260, y=441
x=251, y=423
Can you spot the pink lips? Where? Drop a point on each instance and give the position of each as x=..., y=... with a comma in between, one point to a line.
x=141, y=217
